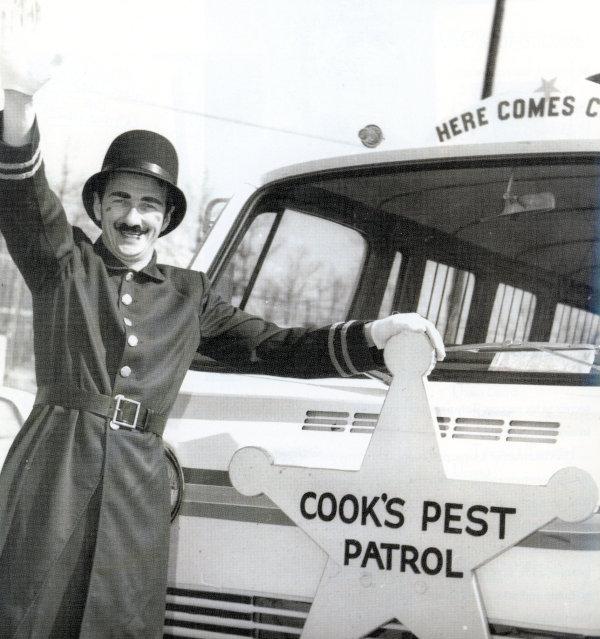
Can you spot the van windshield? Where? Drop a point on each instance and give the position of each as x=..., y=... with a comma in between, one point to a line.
x=500, y=253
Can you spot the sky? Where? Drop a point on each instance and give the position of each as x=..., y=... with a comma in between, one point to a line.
x=245, y=86
x=304, y=76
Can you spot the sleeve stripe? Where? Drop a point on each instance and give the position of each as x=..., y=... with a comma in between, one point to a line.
x=23, y=175
x=331, y=347
x=21, y=165
x=345, y=350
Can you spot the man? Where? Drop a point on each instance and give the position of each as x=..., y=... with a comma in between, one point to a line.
x=84, y=503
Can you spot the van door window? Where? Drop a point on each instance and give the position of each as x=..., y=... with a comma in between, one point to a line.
x=572, y=325
x=445, y=299
x=512, y=314
x=233, y=280
x=294, y=269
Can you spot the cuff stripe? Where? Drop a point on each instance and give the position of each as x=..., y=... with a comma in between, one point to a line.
x=22, y=175
x=22, y=165
x=345, y=350
x=331, y=347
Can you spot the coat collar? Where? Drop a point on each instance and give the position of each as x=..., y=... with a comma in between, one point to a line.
x=114, y=264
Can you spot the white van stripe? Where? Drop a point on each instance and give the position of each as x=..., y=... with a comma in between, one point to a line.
x=207, y=495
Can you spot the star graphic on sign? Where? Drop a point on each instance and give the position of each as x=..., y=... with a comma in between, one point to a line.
x=547, y=88
x=403, y=541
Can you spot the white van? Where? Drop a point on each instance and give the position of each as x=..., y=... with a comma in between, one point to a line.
x=499, y=245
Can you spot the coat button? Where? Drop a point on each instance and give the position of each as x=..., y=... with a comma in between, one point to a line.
x=126, y=299
x=132, y=340
x=125, y=371
x=127, y=321
x=129, y=276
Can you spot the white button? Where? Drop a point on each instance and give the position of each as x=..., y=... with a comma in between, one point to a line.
x=127, y=321
x=125, y=371
x=129, y=276
x=126, y=299
x=114, y=426
x=132, y=340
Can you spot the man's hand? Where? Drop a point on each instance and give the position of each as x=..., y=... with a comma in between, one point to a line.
x=25, y=66
x=380, y=331
x=25, y=62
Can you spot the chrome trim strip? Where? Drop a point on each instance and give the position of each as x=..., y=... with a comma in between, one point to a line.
x=205, y=477
x=235, y=513
x=226, y=496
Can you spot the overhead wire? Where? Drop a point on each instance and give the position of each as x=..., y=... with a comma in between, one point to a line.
x=220, y=118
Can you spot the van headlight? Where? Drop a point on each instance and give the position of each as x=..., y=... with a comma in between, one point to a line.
x=176, y=481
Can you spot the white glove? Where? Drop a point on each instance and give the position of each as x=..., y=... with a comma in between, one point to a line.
x=26, y=63
x=381, y=330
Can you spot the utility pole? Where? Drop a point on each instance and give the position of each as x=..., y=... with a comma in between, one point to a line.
x=490, y=67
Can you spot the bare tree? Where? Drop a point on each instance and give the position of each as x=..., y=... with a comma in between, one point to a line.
x=202, y=197
x=288, y=294
x=17, y=14
x=179, y=247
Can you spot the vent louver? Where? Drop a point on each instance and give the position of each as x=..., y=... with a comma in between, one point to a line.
x=538, y=432
x=524, y=431
x=477, y=428
x=331, y=421
x=194, y=613
x=222, y=615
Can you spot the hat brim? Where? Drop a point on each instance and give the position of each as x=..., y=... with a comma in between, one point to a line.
x=176, y=196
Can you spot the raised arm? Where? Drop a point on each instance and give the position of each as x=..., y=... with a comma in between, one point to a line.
x=24, y=69
x=32, y=219
x=19, y=116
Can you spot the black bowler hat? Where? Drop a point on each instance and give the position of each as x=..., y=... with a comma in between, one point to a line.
x=144, y=153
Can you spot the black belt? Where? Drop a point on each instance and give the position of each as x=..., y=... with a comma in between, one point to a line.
x=121, y=411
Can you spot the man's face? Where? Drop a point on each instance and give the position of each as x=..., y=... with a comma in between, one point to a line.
x=133, y=213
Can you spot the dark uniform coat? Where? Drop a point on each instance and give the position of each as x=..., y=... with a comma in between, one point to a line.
x=84, y=509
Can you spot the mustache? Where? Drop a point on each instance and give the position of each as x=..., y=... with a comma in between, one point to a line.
x=122, y=226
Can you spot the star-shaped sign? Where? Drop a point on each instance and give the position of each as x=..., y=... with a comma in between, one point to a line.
x=403, y=541
x=547, y=88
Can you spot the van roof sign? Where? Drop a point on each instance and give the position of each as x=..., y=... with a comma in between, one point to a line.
x=547, y=109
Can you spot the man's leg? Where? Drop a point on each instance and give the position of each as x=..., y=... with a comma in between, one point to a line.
x=70, y=613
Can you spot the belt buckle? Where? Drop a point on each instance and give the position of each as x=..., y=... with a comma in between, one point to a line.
x=115, y=422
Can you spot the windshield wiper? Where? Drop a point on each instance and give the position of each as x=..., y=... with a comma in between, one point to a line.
x=510, y=345
x=561, y=353
x=556, y=349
